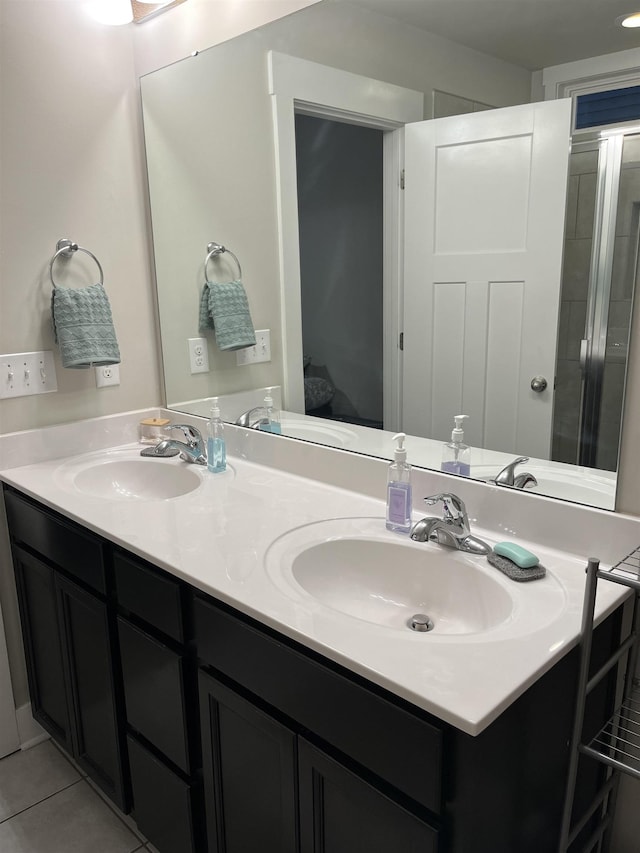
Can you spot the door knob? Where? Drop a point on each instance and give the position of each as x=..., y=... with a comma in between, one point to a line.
x=538, y=384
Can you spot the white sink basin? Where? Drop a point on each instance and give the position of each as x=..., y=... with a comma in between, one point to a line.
x=355, y=568
x=387, y=583
x=125, y=475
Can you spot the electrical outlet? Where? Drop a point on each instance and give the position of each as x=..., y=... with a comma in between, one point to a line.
x=198, y=355
x=260, y=352
x=107, y=375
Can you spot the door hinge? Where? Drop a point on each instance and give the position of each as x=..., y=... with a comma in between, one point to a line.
x=402, y=179
x=401, y=341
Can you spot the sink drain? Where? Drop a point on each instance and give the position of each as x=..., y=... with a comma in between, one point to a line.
x=420, y=622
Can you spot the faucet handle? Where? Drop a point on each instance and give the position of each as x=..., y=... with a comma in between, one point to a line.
x=191, y=433
x=448, y=499
x=506, y=477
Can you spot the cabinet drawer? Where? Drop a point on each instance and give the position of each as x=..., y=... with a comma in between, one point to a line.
x=58, y=540
x=154, y=692
x=382, y=736
x=162, y=802
x=150, y=595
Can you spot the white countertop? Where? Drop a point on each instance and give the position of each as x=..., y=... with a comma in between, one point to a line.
x=218, y=538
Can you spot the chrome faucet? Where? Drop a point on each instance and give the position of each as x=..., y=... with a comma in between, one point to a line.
x=247, y=418
x=508, y=476
x=191, y=450
x=452, y=529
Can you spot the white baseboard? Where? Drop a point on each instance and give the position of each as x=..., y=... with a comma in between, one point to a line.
x=29, y=732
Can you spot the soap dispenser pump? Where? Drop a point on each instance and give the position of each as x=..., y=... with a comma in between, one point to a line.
x=399, y=489
x=272, y=415
x=456, y=455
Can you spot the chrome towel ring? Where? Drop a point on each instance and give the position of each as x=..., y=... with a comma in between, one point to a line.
x=214, y=249
x=68, y=248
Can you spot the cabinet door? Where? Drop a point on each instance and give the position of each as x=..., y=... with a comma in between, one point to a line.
x=341, y=813
x=99, y=722
x=249, y=775
x=43, y=646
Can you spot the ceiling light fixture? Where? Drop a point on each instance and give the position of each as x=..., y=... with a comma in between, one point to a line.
x=629, y=21
x=145, y=9
x=111, y=12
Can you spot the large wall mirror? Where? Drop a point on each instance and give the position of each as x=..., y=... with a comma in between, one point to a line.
x=496, y=281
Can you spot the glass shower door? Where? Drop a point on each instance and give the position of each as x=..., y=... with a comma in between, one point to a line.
x=601, y=250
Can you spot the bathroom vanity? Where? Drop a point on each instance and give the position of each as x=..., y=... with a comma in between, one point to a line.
x=221, y=728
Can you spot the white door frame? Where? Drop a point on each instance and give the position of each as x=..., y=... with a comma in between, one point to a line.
x=297, y=85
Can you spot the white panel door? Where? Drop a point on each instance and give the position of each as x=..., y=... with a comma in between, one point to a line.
x=485, y=197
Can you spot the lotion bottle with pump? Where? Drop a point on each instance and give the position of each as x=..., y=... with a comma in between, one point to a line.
x=399, y=489
x=216, y=447
x=272, y=415
x=456, y=455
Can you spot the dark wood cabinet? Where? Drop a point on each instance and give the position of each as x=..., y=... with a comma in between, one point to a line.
x=161, y=700
x=340, y=812
x=200, y=716
x=68, y=641
x=249, y=763
x=91, y=677
x=43, y=645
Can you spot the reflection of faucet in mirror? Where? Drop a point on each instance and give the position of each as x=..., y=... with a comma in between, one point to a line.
x=508, y=477
x=249, y=419
x=192, y=450
x=452, y=529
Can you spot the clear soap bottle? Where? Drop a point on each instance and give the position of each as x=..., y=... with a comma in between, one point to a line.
x=399, y=489
x=456, y=455
x=272, y=415
x=216, y=447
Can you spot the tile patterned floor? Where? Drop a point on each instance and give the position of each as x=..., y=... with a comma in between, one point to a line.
x=48, y=806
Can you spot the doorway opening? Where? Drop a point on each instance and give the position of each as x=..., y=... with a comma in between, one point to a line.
x=340, y=181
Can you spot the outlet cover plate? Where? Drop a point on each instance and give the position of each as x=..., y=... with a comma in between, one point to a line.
x=198, y=355
x=107, y=375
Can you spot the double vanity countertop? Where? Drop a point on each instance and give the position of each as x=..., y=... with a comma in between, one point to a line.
x=234, y=535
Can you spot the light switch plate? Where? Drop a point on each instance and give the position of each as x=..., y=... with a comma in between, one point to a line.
x=258, y=353
x=25, y=373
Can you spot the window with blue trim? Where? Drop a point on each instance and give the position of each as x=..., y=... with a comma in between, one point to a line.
x=612, y=107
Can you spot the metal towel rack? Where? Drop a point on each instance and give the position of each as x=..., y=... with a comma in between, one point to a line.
x=214, y=249
x=68, y=248
x=617, y=744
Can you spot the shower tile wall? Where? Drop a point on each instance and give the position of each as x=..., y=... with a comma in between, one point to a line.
x=622, y=288
x=573, y=303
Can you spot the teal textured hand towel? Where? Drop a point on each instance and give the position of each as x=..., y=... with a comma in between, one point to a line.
x=225, y=308
x=83, y=327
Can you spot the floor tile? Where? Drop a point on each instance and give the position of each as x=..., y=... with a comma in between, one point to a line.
x=125, y=818
x=73, y=821
x=31, y=775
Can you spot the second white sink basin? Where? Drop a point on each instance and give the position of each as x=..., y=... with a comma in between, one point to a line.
x=386, y=583
x=355, y=568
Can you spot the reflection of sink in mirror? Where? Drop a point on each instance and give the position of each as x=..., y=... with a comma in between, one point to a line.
x=125, y=476
x=318, y=431
x=355, y=568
